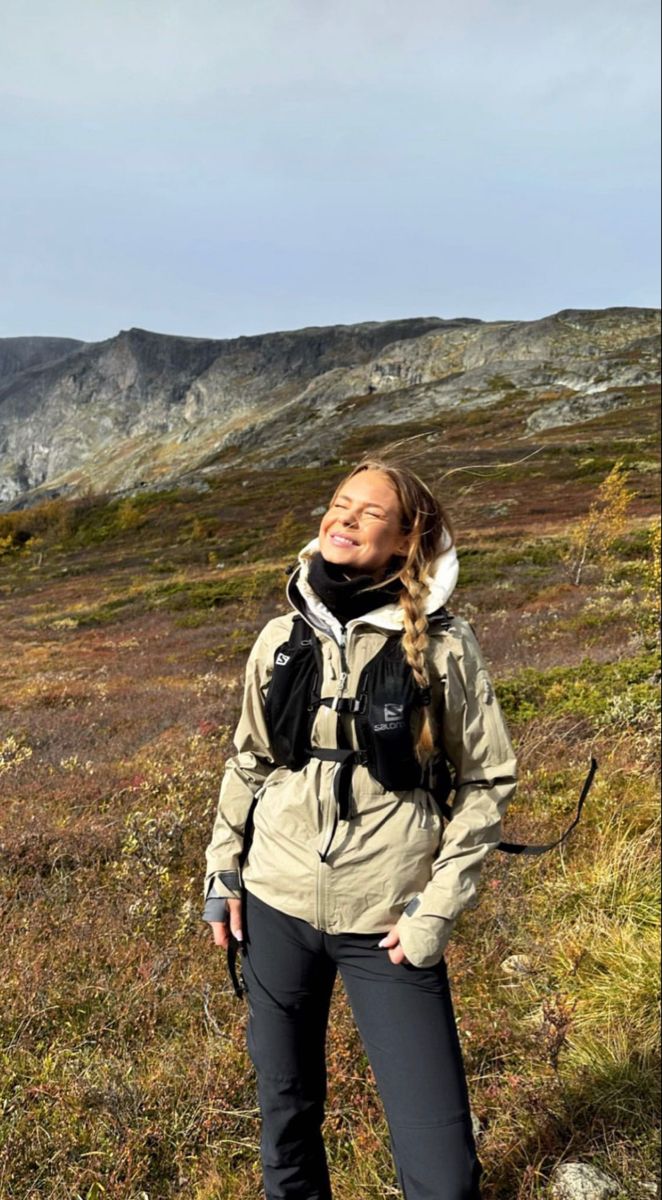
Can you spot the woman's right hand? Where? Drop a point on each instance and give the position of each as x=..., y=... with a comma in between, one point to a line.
x=221, y=929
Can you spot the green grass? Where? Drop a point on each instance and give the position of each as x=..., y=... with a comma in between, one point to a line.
x=124, y=1071
x=609, y=692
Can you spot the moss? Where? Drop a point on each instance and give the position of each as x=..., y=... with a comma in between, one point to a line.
x=589, y=620
x=214, y=593
x=591, y=689
x=636, y=543
x=180, y=595
x=486, y=564
x=497, y=383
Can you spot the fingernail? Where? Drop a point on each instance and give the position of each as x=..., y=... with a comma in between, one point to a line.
x=382, y=944
x=239, y=936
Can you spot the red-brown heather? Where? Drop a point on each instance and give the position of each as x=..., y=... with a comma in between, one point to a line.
x=124, y=627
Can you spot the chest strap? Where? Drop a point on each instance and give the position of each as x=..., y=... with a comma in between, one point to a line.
x=345, y=704
x=347, y=757
x=342, y=784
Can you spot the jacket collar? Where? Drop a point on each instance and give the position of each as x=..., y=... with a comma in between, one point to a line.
x=442, y=578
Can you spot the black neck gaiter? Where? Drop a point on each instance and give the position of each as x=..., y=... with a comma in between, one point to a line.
x=342, y=596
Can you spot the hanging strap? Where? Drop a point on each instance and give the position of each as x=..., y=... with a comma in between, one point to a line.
x=521, y=847
x=237, y=982
x=518, y=848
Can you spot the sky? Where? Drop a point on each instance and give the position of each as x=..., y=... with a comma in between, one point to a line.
x=216, y=168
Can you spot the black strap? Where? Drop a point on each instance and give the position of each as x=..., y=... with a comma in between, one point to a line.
x=518, y=848
x=342, y=784
x=346, y=704
x=237, y=982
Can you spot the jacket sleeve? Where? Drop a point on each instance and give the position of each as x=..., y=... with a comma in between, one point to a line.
x=245, y=772
x=477, y=742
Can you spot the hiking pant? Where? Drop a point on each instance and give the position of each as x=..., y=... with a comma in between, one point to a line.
x=406, y=1021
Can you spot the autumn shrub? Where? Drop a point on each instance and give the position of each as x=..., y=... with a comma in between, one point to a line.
x=593, y=538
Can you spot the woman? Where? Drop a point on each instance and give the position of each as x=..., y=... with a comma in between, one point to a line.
x=350, y=717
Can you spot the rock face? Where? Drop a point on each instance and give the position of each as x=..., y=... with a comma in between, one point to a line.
x=21, y=353
x=145, y=408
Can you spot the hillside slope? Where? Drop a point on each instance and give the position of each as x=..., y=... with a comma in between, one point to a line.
x=144, y=409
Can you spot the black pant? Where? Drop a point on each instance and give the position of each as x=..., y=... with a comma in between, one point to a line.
x=406, y=1021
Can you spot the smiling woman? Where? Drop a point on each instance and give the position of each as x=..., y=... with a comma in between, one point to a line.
x=356, y=700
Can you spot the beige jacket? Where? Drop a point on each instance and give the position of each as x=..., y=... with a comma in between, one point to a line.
x=397, y=853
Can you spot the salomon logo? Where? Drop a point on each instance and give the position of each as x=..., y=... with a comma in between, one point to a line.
x=393, y=711
x=281, y=659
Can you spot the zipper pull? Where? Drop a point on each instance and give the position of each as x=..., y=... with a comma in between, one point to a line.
x=342, y=684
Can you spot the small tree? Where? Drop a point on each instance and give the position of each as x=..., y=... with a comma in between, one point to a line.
x=648, y=612
x=128, y=516
x=593, y=537
x=287, y=534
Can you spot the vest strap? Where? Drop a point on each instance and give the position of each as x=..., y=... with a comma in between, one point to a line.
x=519, y=848
x=522, y=847
x=238, y=986
x=346, y=704
x=342, y=783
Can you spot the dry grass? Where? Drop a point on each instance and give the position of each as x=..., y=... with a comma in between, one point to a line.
x=123, y=1069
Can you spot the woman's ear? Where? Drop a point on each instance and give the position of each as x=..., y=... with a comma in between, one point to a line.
x=402, y=545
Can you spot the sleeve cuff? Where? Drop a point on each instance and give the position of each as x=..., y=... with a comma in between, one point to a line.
x=220, y=888
x=226, y=884
x=215, y=909
x=423, y=936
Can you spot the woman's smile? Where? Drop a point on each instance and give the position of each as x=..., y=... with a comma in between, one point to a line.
x=341, y=540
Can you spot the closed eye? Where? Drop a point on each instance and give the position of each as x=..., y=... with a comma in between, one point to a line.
x=367, y=513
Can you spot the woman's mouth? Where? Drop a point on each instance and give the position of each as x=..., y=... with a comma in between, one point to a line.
x=339, y=540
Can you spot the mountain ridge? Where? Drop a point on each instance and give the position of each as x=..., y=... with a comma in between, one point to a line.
x=146, y=409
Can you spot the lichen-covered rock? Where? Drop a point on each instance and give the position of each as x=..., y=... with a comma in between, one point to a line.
x=517, y=966
x=582, y=1181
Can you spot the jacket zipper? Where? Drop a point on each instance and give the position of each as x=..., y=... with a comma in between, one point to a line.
x=344, y=665
x=322, y=868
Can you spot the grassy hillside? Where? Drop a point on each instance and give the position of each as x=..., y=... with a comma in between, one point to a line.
x=124, y=628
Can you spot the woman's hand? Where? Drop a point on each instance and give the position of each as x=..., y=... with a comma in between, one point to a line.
x=221, y=929
x=391, y=942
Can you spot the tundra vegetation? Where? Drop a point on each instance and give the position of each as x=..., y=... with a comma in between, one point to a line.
x=124, y=627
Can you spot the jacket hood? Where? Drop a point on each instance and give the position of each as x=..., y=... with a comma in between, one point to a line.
x=441, y=578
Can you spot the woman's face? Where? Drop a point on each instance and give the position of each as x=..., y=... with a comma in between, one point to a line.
x=361, y=529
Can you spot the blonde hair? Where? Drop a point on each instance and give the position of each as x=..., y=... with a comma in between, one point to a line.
x=423, y=517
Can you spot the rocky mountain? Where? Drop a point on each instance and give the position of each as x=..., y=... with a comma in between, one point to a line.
x=148, y=409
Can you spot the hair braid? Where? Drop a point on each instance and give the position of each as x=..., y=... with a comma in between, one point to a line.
x=415, y=642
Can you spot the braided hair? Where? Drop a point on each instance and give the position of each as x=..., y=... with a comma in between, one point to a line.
x=424, y=518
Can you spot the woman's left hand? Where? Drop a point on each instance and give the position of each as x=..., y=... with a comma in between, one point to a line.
x=391, y=942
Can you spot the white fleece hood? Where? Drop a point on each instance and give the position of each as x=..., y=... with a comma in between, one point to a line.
x=441, y=578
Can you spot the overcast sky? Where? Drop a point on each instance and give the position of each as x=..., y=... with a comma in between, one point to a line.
x=226, y=167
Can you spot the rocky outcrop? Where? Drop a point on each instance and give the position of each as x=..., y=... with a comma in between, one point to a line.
x=145, y=408
x=19, y=354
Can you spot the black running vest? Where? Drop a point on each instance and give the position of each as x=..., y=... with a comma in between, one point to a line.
x=383, y=710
